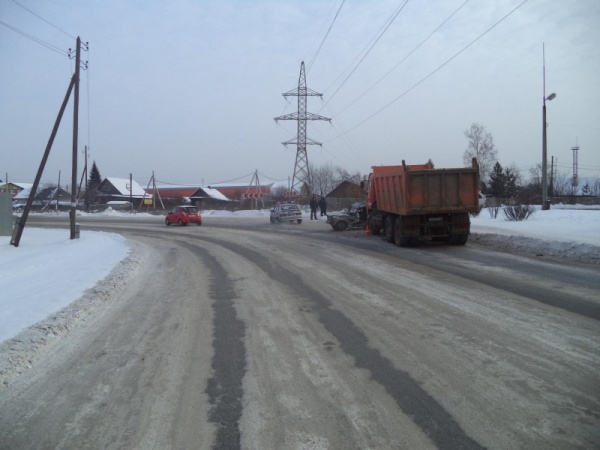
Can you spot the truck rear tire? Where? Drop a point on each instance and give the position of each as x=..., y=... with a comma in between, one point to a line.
x=388, y=228
x=399, y=239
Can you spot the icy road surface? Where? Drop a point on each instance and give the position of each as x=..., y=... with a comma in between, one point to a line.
x=290, y=336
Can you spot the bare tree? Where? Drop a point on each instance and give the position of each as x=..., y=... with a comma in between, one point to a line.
x=535, y=177
x=481, y=146
x=562, y=184
x=595, y=187
x=344, y=175
x=322, y=179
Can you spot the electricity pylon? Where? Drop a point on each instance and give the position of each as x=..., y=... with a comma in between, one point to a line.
x=301, y=169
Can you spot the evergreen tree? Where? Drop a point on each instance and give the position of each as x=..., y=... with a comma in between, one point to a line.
x=95, y=178
x=511, y=185
x=497, y=181
x=92, y=186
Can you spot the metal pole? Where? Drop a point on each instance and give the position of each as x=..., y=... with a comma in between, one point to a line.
x=544, y=162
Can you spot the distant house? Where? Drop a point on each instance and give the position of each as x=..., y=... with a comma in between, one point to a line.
x=46, y=197
x=120, y=190
x=16, y=188
x=209, y=198
x=172, y=191
x=344, y=194
x=53, y=198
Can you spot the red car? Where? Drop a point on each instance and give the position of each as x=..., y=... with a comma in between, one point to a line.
x=182, y=215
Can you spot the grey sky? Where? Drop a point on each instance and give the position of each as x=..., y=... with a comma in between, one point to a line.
x=189, y=89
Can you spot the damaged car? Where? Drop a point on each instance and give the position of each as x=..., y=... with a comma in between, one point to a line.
x=349, y=218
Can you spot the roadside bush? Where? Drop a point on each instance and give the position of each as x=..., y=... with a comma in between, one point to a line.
x=493, y=210
x=516, y=213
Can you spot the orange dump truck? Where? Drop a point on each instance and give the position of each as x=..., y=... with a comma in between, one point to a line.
x=414, y=203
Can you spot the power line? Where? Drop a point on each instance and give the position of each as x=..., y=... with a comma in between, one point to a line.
x=406, y=57
x=40, y=17
x=433, y=72
x=34, y=39
x=381, y=33
x=326, y=34
x=269, y=178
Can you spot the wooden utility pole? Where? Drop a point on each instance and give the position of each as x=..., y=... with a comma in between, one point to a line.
x=131, y=190
x=73, y=212
x=18, y=232
x=58, y=191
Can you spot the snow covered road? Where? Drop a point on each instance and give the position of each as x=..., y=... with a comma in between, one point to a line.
x=255, y=335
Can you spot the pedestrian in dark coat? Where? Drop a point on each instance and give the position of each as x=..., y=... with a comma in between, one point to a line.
x=323, y=206
x=313, y=208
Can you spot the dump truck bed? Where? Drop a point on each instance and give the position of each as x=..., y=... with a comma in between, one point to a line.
x=414, y=190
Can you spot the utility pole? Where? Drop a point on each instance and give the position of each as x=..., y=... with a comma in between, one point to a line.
x=257, y=194
x=73, y=211
x=301, y=169
x=58, y=191
x=131, y=190
x=545, y=202
x=552, y=178
x=73, y=87
x=20, y=226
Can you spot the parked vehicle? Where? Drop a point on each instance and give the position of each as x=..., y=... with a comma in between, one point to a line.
x=414, y=203
x=183, y=215
x=355, y=217
x=482, y=201
x=286, y=212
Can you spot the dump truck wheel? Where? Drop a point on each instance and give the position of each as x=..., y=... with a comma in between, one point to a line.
x=398, y=239
x=388, y=228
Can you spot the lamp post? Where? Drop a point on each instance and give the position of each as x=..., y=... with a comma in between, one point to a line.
x=545, y=204
x=545, y=157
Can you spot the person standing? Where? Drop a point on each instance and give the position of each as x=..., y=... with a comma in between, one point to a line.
x=323, y=206
x=313, y=208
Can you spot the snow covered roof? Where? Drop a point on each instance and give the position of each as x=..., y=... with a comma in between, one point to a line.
x=26, y=189
x=122, y=185
x=20, y=185
x=214, y=193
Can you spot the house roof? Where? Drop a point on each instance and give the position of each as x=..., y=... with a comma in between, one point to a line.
x=122, y=185
x=19, y=185
x=25, y=190
x=205, y=192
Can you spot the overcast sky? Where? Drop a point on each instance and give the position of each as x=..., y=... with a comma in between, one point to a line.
x=189, y=88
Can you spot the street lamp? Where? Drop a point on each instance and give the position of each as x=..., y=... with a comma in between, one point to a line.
x=545, y=204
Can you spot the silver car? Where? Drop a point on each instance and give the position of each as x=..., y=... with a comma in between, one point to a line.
x=355, y=217
x=286, y=212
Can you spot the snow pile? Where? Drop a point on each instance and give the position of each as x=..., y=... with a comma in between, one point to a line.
x=565, y=231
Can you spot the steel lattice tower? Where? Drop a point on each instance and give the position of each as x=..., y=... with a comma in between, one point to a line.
x=301, y=170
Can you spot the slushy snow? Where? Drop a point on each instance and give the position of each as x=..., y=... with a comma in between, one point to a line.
x=50, y=282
